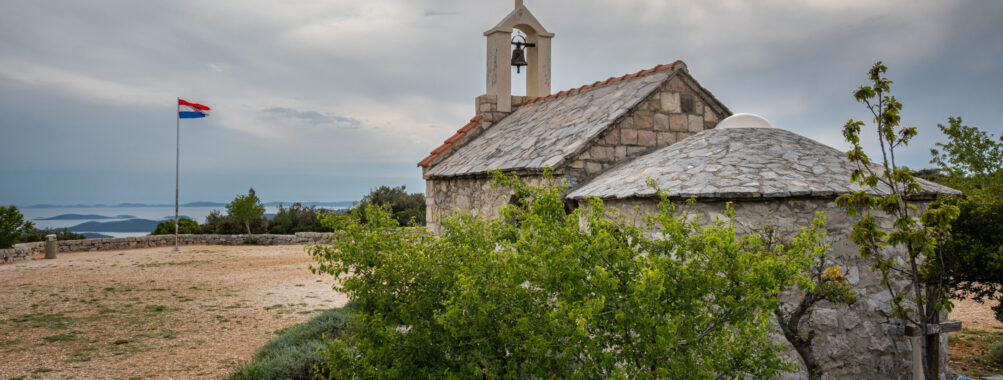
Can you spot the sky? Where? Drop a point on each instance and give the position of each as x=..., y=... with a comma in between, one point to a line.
x=324, y=100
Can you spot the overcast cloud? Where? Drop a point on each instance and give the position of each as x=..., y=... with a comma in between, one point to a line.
x=323, y=100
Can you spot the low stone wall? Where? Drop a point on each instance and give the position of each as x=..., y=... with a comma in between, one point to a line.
x=26, y=250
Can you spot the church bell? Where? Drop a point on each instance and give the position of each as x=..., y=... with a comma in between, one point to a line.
x=518, y=58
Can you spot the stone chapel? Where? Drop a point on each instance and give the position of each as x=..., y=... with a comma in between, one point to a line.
x=607, y=138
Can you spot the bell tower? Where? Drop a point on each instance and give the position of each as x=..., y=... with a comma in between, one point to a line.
x=499, y=57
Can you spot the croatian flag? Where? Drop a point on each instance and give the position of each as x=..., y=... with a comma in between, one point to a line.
x=188, y=110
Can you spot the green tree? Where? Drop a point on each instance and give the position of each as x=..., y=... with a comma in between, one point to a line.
x=246, y=208
x=13, y=226
x=295, y=218
x=185, y=226
x=971, y=159
x=889, y=190
x=579, y=295
x=407, y=208
x=973, y=255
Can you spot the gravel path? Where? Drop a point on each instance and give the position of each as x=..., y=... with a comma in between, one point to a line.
x=151, y=313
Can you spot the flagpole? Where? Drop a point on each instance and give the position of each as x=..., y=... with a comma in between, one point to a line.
x=177, y=169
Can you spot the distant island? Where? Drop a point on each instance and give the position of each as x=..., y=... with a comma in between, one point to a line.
x=86, y=217
x=131, y=225
x=95, y=235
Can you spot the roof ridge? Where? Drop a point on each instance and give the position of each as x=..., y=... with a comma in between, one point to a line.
x=605, y=82
x=474, y=121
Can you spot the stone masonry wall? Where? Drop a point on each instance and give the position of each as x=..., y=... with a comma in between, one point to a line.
x=671, y=113
x=856, y=341
x=446, y=197
x=26, y=250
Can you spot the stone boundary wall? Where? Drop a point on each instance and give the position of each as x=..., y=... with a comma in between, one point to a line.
x=25, y=251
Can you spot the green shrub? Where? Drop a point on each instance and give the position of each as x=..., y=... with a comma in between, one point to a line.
x=217, y=223
x=296, y=218
x=39, y=235
x=996, y=352
x=294, y=352
x=579, y=295
x=406, y=208
x=185, y=226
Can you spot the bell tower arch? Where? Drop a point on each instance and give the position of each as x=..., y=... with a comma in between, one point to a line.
x=499, y=57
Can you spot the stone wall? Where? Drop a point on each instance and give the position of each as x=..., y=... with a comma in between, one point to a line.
x=856, y=341
x=26, y=250
x=446, y=197
x=671, y=113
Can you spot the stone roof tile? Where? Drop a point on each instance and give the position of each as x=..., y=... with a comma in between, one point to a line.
x=545, y=130
x=737, y=163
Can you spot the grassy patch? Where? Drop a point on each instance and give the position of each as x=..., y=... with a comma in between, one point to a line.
x=158, y=308
x=972, y=352
x=173, y=263
x=165, y=334
x=60, y=338
x=54, y=321
x=293, y=353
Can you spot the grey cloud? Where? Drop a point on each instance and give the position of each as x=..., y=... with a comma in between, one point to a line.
x=441, y=13
x=314, y=117
x=382, y=71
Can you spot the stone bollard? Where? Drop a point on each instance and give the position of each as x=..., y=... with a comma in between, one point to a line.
x=50, y=246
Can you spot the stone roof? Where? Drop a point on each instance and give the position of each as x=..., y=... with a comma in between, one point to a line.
x=737, y=163
x=546, y=130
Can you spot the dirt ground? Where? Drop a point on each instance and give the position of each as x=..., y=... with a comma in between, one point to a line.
x=151, y=313
x=200, y=313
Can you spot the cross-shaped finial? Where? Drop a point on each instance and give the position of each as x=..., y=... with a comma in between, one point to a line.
x=518, y=4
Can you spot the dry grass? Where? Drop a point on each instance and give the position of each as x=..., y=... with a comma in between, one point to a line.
x=969, y=348
x=150, y=313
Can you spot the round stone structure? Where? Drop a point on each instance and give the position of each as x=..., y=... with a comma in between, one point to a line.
x=777, y=178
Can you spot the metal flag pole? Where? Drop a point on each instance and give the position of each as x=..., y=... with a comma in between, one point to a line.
x=177, y=169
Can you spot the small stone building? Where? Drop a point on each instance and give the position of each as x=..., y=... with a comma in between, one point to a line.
x=606, y=138
x=773, y=177
x=579, y=133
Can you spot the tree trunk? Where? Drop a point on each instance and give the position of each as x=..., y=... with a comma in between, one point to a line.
x=247, y=224
x=802, y=344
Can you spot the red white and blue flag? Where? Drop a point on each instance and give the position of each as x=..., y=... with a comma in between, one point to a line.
x=188, y=110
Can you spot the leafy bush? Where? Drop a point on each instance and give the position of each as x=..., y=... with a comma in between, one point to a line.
x=581, y=295
x=39, y=235
x=970, y=161
x=185, y=226
x=294, y=353
x=996, y=352
x=12, y=226
x=217, y=223
x=405, y=208
x=296, y=218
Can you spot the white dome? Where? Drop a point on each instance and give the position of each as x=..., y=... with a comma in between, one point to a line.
x=744, y=120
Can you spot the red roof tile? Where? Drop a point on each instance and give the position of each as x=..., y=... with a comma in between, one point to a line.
x=450, y=141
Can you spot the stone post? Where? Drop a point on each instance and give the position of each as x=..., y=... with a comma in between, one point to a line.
x=50, y=246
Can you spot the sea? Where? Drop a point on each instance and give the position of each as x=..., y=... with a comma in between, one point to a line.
x=154, y=213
